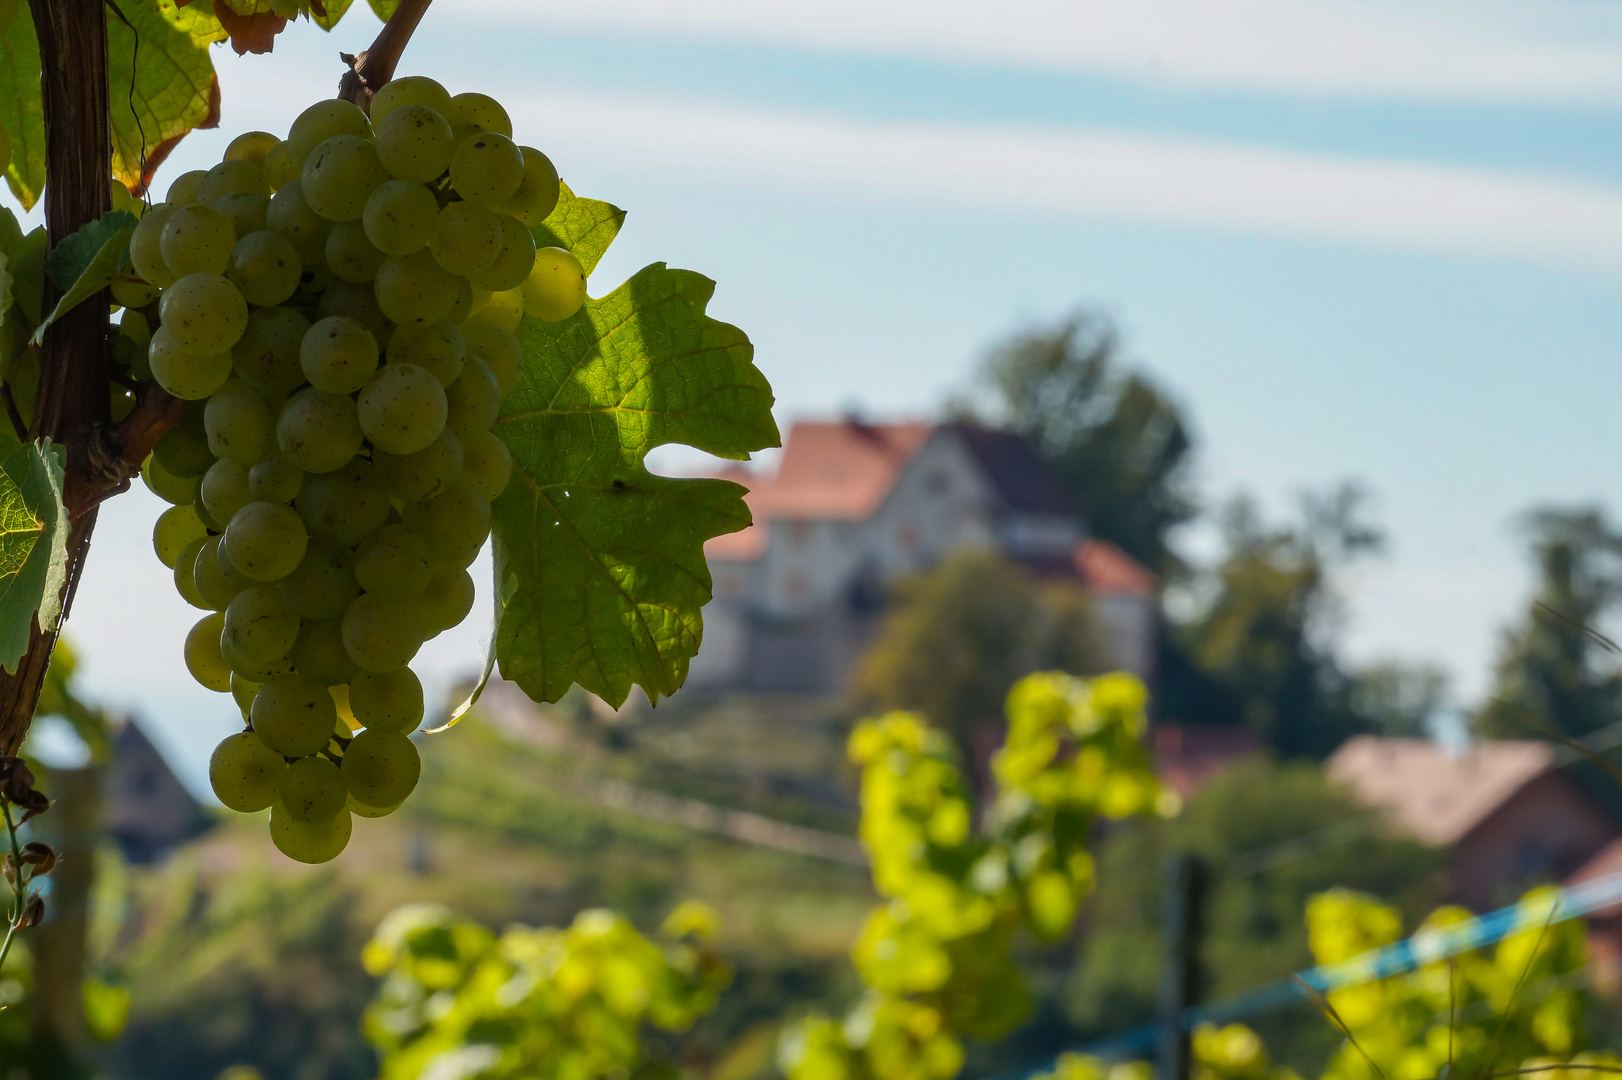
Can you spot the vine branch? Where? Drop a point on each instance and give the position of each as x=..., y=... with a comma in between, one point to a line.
x=369, y=71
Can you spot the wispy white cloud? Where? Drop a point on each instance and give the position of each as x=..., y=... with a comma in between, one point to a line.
x=1098, y=174
x=1564, y=51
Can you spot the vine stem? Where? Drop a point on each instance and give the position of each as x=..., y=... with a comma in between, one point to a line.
x=371, y=69
x=18, y=887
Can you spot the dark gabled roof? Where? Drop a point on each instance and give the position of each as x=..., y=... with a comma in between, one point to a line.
x=1021, y=478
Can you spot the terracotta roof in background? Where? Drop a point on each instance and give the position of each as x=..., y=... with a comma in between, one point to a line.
x=1431, y=792
x=1107, y=569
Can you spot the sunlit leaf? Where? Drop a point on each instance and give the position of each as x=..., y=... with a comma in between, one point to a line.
x=33, y=545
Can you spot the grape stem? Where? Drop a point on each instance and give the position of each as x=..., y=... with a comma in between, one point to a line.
x=371, y=69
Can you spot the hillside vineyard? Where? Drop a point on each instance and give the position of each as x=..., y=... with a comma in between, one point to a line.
x=338, y=309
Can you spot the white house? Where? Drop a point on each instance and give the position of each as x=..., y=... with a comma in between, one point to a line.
x=854, y=506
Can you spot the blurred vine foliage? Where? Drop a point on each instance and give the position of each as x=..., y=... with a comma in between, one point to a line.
x=1518, y=1010
x=937, y=956
x=543, y=1004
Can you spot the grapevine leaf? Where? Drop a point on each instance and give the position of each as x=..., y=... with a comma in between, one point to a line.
x=252, y=26
x=608, y=557
x=33, y=545
x=28, y=273
x=584, y=227
x=68, y=261
x=384, y=9
x=97, y=274
x=22, y=113
x=334, y=10
x=162, y=83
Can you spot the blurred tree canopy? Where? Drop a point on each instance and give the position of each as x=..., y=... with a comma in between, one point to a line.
x=1273, y=836
x=1550, y=669
x=1111, y=436
x=956, y=638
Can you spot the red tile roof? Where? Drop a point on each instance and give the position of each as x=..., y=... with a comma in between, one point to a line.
x=1107, y=569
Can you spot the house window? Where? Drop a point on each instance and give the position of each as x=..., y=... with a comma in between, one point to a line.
x=799, y=533
x=796, y=588
x=908, y=536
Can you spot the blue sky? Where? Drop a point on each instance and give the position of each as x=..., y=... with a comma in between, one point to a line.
x=1358, y=239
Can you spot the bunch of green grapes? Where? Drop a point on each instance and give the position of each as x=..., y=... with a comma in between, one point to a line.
x=338, y=310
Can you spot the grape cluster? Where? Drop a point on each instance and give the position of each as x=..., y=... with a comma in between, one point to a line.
x=338, y=311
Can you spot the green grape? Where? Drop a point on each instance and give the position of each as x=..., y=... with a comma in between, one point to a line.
x=135, y=327
x=294, y=715
x=204, y=313
x=197, y=240
x=306, y=841
x=279, y=168
x=183, y=192
x=225, y=490
x=323, y=585
x=234, y=175
x=486, y=168
x=265, y=541
x=446, y=601
x=340, y=175
x=438, y=348
x=467, y=238
x=347, y=724
x=245, y=210
x=351, y=255
x=380, y=634
x=381, y=767
x=146, y=252
x=212, y=584
x=185, y=583
x=242, y=692
x=245, y=773
x=253, y=147
x=338, y=355
x=400, y=217
x=312, y=790
x=402, y=408
x=360, y=809
x=259, y=671
x=497, y=348
x=454, y=524
x=175, y=528
x=515, y=260
x=392, y=563
x=504, y=309
x=409, y=90
x=230, y=570
x=413, y=290
x=240, y=426
x=358, y=303
x=423, y=474
x=318, y=432
x=259, y=625
x=473, y=401
x=481, y=111
x=292, y=215
x=319, y=653
x=322, y=121
x=202, y=653
x=414, y=143
x=275, y=479
x=265, y=266
x=201, y=510
x=266, y=356
x=487, y=464
x=344, y=505
x=172, y=489
x=387, y=700
x=461, y=300
x=186, y=375
x=556, y=287
x=120, y=402
x=537, y=195
x=134, y=294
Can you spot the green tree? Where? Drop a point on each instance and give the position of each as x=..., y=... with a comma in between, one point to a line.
x=1273, y=835
x=959, y=635
x=1113, y=437
x=1551, y=669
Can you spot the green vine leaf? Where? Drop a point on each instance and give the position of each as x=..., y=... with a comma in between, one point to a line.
x=94, y=275
x=33, y=545
x=69, y=260
x=585, y=227
x=161, y=81
x=22, y=113
x=608, y=557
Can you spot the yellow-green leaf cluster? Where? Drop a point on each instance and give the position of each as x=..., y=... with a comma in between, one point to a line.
x=937, y=956
x=1233, y=1052
x=557, y=1004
